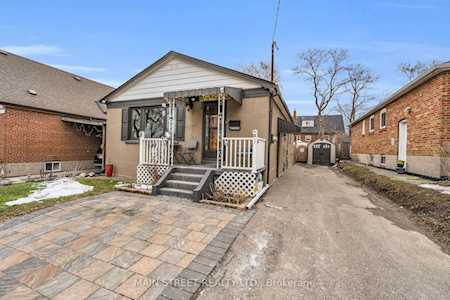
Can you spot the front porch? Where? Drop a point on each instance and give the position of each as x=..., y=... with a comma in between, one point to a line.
x=209, y=156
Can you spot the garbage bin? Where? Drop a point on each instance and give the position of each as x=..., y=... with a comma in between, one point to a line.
x=108, y=170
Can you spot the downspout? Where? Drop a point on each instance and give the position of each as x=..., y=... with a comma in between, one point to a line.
x=278, y=152
x=269, y=136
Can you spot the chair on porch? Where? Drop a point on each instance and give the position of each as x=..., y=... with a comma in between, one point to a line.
x=186, y=154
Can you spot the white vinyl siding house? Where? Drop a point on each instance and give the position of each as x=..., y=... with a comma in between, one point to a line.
x=178, y=75
x=182, y=111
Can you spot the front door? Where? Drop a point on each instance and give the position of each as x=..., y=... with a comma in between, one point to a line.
x=321, y=154
x=402, y=140
x=210, y=122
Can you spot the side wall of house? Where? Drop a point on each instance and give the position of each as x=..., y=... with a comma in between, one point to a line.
x=282, y=149
x=445, y=135
x=422, y=108
x=30, y=138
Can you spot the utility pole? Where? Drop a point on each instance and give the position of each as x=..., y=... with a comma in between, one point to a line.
x=272, y=70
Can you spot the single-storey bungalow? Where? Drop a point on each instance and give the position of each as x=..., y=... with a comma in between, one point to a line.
x=411, y=128
x=183, y=122
x=49, y=119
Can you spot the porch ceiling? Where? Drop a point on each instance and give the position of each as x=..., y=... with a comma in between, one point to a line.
x=230, y=93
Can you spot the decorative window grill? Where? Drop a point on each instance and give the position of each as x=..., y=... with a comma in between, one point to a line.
x=150, y=120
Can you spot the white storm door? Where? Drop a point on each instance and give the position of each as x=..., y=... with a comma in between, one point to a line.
x=402, y=140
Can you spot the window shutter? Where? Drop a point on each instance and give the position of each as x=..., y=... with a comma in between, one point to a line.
x=181, y=119
x=124, y=131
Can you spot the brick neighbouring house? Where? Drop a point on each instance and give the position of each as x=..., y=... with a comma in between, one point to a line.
x=49, y=118
x=418, y=115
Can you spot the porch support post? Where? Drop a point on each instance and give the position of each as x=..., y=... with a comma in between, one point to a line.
x=141, y=147
x=172, y=131
x=170, y=128
x=220, y=126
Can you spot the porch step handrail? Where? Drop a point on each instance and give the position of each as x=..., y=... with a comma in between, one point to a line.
x=244, y=153
x=154, y=151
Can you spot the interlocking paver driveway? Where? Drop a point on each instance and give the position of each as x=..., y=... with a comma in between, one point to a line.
x=114, y=246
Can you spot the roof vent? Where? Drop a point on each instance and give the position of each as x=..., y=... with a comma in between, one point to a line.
x=3, y=52
x=32, y=92
x=77, y=78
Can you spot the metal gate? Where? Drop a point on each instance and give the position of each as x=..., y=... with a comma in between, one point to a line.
x=322, y=154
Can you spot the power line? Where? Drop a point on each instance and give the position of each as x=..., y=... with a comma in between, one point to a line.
x=277, y=15
x=274, y=43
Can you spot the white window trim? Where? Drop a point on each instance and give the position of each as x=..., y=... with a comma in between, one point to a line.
x=53, y=166
x=370, y=123
x=308, y=123
x=364, y=127
x=383, y=111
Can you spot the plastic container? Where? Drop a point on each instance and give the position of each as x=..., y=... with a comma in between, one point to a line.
x=108, y=170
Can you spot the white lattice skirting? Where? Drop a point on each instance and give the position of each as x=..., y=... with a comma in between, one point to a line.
x=149, y=174
x=238, y=183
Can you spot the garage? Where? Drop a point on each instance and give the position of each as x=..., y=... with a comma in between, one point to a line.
x=321, y=152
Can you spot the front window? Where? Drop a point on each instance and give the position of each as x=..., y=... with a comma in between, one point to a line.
x=150, y=120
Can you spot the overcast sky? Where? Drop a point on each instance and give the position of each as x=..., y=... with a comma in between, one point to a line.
x=110, y=40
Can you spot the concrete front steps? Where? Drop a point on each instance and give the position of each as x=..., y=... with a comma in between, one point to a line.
x=185, y=182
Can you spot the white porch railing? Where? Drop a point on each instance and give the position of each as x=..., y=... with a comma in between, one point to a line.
x=154, y=151
x=244, y=153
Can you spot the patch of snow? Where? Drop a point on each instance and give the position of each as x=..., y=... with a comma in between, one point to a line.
x=436, y=187
x=54, y=189
x=256, y=257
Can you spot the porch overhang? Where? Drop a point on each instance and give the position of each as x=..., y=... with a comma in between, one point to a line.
x=83, y=121
x=207, y=94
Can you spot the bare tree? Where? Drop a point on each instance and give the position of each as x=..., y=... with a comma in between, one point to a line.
x=325, y=69
x=412, y=71
x=359, y=81
x=261, y=70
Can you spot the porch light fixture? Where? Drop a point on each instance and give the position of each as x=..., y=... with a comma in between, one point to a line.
x=408, y=110
x=190, y=104
x=2, y=109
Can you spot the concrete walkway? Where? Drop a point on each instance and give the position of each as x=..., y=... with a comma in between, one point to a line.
x=417, y=180
x=318, y=235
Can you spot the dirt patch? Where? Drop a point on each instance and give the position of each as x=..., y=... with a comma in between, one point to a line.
x=430, y=209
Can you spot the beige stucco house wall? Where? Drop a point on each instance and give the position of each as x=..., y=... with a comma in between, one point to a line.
x=253, y=114
x=171, y=73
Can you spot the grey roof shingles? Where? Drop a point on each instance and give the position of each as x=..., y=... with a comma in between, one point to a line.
x=57, y=90
x=333, y=123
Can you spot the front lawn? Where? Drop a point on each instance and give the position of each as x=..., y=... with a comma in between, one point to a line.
x=19, y=190
x=15, y=191
x=430, y=207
